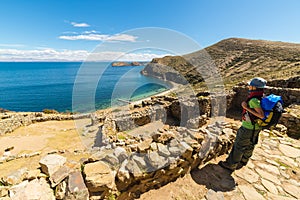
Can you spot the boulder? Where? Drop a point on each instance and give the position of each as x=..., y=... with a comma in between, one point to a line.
x=99, y=177
x=76, y=188
x=156, y=161
x=35, y=189
x=51, y=163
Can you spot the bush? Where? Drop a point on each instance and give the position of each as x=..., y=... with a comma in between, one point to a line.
x=50, y=111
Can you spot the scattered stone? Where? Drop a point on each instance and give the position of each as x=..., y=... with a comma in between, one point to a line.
x=15, y=177
x=35, y=189
x=76, y=187
x=212, y=195
x=4, y=191
x=51, y=163
x=61, y=190
x=59, y=175
x=9, y=148
x=145, y=145
x=33, y=174
x=99, y=177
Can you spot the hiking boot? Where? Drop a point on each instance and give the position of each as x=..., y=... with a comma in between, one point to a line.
x=226, y=166
x=240, y=165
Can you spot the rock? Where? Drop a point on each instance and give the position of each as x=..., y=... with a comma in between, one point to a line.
x=292, y=190
x=163, y=150
x=250, y=193
x=76, y=187
x=9, y=148
x=270, y=168
x=145, y=145
x=35, y=189
x=268, y=176
x=51, y=163
x=140, y=161
x=269, y=186
x=33, y=174
x=99, y=177
x=15, y=177
x=133, y=168
x=247, y=175
x=153, y=146
x=112, y=160
x=120, y=153
x=59, y=175
x=212, y=195
x=4, y=191
x=198, y=136
x=156, y=161
x=61, y=190
x=163, y=137
x=289, y=151
x=175, y=151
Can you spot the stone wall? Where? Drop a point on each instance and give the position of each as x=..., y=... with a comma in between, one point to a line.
x=290, y=96
x=291, y=119
x=293, y=82
x=9, y=121
x=123, y=171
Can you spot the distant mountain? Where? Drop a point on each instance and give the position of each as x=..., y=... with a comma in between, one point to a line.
x=236, y=59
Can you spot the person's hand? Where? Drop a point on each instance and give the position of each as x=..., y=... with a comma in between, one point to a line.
x=244, y=105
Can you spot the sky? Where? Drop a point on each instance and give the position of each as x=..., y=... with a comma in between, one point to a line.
x=72, y=30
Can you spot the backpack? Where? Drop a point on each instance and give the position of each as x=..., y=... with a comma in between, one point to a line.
x=272, y=106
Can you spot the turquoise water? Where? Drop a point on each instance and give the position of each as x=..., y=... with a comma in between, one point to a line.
x=34, y=86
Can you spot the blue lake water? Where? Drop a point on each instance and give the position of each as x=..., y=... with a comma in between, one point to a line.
x=34, y=86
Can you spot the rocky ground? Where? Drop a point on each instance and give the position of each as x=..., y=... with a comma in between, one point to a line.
x=272, y=173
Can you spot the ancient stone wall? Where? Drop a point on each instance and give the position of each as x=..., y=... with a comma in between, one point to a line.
x=9, y=121
x=123, y=171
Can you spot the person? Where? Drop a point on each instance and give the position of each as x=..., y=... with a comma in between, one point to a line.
x=247, y=134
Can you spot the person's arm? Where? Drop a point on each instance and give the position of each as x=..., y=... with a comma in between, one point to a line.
x=258, y=112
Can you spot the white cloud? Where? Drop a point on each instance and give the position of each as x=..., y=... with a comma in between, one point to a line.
x=100, y=37
x=12, y=45
x=49, y=54
x=75, y=24
x=89, y=32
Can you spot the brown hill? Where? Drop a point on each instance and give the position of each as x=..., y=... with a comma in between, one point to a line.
x=236, y=59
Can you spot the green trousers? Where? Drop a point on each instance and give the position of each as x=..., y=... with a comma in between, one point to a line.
x=243, y=147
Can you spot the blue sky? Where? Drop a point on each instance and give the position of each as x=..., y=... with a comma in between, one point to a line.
x=71, y=29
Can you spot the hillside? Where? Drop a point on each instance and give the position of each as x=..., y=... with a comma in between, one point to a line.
x=236, y=59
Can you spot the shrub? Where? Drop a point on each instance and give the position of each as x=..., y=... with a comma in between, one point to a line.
x=50, y=111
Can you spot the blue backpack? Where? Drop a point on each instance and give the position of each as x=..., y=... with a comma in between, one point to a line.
x=273, y=109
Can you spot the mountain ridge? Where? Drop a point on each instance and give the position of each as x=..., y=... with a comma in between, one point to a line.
x=237, y=59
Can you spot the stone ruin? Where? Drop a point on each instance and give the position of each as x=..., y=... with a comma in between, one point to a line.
x=124, y=168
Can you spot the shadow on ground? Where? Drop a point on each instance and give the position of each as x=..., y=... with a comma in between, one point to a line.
x=214, y=177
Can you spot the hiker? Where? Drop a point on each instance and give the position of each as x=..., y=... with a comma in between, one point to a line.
x=247, y=135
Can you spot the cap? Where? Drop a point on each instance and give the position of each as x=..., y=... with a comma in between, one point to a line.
x=258, y=82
